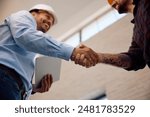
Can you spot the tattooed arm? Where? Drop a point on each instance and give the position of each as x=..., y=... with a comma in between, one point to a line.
x=118, y=60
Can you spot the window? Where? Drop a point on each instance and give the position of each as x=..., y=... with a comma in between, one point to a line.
x=73, y=40
x=100, y=24
x=94, y=27
x=89, y=31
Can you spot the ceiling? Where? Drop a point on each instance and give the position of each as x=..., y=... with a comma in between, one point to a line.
x=70, y=12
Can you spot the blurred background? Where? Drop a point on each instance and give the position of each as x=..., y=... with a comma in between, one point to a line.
x=95, y=24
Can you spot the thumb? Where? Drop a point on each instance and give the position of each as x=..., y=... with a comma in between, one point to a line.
x=82, y=46
x=38, y=90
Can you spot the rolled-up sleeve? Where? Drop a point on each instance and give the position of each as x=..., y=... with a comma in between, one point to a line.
x=23, y=29
x=136, y=55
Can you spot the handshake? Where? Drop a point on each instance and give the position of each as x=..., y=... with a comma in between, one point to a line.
x=85, y=56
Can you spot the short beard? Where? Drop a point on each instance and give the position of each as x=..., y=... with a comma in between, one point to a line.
x=123, y=8
x=41, y=29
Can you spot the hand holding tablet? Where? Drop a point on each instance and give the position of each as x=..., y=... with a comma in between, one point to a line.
x=47, y=65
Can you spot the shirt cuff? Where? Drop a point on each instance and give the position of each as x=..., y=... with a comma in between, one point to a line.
x=67, y=51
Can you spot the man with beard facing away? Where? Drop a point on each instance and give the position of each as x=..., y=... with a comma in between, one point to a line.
x=138, y=55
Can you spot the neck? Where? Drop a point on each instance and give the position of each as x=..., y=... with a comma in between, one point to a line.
x=131, y=8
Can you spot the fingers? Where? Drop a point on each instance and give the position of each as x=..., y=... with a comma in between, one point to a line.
x=82, y=60
x=46, y=83
x=92, y=56
x=82, y=46
x=86, y=63
x=85, y=56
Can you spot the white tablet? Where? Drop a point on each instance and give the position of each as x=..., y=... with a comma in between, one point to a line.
x=47, y=65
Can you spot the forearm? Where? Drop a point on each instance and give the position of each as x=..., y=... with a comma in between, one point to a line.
x=118, y=60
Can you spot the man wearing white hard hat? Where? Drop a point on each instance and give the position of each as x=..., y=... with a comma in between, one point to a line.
x=22, y=36
x=45, y=9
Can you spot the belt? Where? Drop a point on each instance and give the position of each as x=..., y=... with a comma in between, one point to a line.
x=15, y=76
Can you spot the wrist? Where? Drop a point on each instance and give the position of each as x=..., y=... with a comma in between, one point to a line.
x=99, y=57
x=73, y=55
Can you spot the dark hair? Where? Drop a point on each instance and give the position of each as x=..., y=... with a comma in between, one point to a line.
x=34, y=10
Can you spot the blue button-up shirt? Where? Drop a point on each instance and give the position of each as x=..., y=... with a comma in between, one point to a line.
x=20, y=41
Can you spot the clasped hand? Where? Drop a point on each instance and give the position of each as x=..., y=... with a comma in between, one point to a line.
x=85, y=56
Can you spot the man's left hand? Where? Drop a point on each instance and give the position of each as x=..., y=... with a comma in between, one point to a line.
x=45, y=84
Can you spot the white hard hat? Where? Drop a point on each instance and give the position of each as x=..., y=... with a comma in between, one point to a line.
x=47, y=8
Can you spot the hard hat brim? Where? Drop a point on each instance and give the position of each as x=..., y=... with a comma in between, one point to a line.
x=110, y=1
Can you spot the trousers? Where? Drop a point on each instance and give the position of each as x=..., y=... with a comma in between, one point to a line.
x=9, y=89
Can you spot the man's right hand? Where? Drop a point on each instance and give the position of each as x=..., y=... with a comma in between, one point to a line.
x=84, y=56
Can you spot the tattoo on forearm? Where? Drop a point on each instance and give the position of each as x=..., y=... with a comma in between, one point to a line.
x=119, y=60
